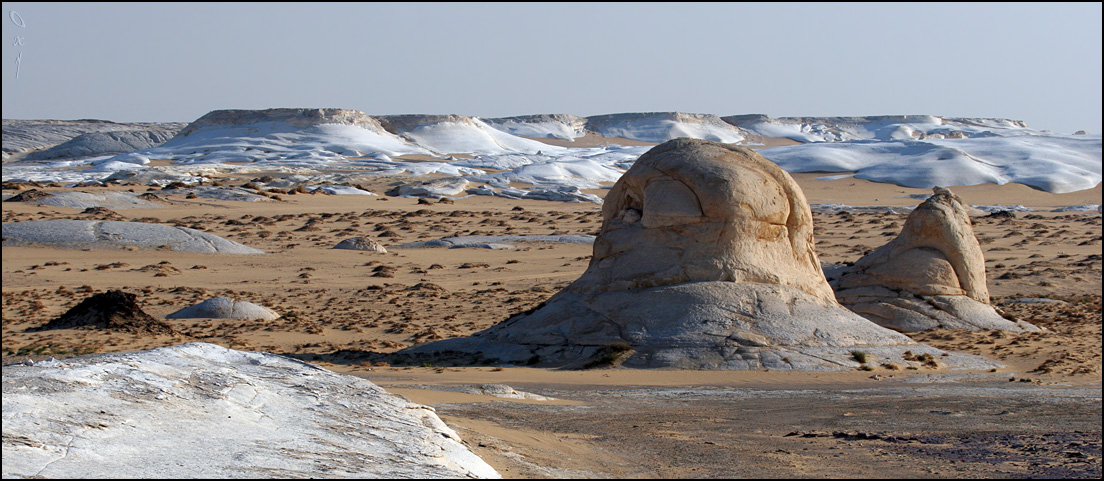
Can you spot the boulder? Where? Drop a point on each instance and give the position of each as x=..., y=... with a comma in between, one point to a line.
x=224, y=308
x=704, y=260
x=932, y=275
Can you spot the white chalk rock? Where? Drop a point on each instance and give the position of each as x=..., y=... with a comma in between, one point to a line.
x=203, y=411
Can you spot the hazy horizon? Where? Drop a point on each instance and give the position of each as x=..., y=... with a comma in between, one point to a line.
x=1038, y=63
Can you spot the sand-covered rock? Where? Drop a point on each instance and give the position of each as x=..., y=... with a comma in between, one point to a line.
x=704, y=260
x=204, y=411
x=113, y=310
x=85, y=234
x=224, y=308
x=932, y=275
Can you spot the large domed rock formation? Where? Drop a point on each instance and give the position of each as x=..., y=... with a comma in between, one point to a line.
x=704, y=260
x=930, y=276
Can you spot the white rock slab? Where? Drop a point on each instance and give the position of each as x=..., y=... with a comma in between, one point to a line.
x=203, y=411
x=80, y=234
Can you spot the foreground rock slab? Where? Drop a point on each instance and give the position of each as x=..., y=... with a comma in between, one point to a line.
x=705, y=260
x=204, y=411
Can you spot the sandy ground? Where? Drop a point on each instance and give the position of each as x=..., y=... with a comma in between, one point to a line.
x=1037, y=417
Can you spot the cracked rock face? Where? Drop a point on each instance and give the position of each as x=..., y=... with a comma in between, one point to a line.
x=930, y=276
x=203, y=411
x=704, y=261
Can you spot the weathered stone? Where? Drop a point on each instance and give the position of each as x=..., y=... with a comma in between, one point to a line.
x=204, y=411
x=932, y=275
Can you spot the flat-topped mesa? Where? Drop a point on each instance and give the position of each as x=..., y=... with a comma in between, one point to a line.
x=932, y=275
x=536, y=118
x=704, y=260
x=559, y=126
x=297, y=117
x=660, y=127
x=400, y=124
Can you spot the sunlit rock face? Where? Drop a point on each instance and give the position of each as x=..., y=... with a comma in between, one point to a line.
x=727, y=215
x=930, y=276
x=204, y=411
x=704, y=261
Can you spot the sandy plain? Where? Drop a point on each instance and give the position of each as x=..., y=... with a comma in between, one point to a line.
x=1039, y=416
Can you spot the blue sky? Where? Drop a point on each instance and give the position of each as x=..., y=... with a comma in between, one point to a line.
x=1040, y=63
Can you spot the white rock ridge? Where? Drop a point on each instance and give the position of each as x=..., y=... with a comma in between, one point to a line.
x=704, y=260
x=932, y=275
x=80, y=234
x=204, y=411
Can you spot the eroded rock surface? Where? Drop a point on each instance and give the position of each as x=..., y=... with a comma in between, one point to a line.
x=932, y=275
x=204, y=411
x=704, y=260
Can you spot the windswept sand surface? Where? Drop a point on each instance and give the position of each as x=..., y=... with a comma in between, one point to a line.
x=345, y=310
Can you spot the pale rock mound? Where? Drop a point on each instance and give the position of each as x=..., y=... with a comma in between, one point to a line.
x=931, y=276
x=204, y=411
x=704, y=260
x=113, y=310
x=224, y=308
x=361, y=244
x=85, y=234
x=105, y=143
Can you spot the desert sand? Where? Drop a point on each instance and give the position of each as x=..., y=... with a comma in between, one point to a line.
x=345, y=310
